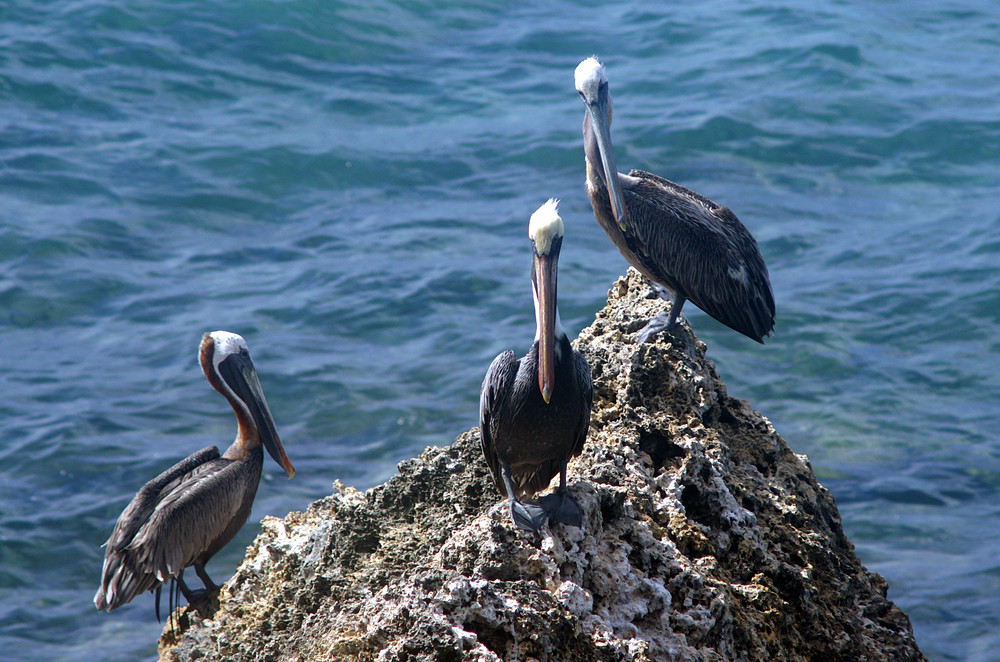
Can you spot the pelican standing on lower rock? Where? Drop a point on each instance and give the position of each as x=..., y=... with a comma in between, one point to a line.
x=193, y=509
x=534, y=413
x=687, y=246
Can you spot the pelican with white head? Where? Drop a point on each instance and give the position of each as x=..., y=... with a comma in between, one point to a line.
x=193, y=509
x=592, y=85
x=686, y=245
x=546, y=231
x=534, y=412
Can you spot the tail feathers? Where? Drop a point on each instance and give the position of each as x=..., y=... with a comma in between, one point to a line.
x=121, y=582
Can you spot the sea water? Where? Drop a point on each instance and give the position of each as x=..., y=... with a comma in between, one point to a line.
x=348, y=185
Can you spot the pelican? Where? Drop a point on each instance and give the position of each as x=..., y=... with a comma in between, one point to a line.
x=534, y=412
x=193, y=509
x=687, y=246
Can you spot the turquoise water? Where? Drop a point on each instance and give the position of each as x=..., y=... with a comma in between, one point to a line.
x=348, y=186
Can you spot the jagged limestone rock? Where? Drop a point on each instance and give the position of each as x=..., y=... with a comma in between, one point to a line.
x=704, y=538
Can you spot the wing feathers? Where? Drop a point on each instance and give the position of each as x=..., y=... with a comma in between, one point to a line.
x=496, y=388
x=169, y=523
x=701, y=250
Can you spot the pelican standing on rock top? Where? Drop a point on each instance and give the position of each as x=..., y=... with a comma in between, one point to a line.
x=534, y=412
x=193, y=509
x=689, y=247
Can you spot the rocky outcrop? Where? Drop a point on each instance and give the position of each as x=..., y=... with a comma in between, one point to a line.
x=704, y=538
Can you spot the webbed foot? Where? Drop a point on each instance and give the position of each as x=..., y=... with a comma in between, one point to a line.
x=527, y=516
x=205, y=600
x=659, y=323
x=562, y=508
x=666, y=320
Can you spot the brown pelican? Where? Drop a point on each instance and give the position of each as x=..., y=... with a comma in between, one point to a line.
x=534, y=412
x=686, y=245
x=193, y=509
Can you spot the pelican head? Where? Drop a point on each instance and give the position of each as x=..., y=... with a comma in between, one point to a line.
x=592, y=84
x=546, y=232
x=590, y=77
x=226, y=361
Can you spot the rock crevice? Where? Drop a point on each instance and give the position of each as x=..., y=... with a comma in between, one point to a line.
x=704, y=538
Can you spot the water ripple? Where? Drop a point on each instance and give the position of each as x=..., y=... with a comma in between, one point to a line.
x=348, y=184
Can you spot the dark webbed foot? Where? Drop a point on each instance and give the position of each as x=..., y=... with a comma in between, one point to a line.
x=205, y=602
x=198, y=595
x=665, y=321
x=202, y=598
x=562, y=508
x=527, y=516
x=659, y=323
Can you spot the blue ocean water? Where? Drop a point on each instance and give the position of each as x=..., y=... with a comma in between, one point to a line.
x=347, y=184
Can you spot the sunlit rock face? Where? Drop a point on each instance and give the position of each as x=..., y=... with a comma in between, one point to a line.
x=704, y=538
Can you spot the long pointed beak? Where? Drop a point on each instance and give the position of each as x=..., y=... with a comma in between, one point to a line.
x=545, y=318
x=599, y=113
x=242, y=378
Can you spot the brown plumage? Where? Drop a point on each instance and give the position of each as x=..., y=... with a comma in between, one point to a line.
x=193, y=509
x=689, y=247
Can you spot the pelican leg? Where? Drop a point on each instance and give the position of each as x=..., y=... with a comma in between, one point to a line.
x=525, y=516
x=666, y=320
x=189, y=595
x=200, y=598
x=561, y=507
x=210, y=586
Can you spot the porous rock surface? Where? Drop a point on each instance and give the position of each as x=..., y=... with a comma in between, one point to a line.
x=704, y=538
